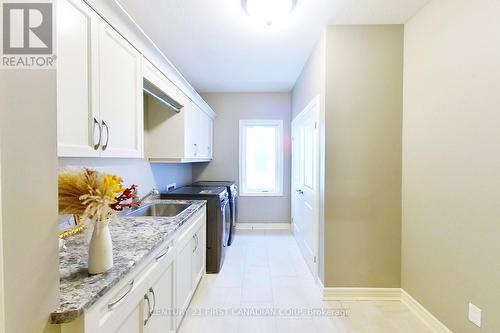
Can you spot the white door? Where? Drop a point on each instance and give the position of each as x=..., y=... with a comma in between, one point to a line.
x=305, y=182
x=78, y=123
x=121, y=95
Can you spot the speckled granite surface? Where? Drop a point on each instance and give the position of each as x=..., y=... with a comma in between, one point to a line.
x=134, y=238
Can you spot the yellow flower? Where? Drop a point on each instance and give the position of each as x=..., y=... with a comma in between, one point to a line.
x=113, y=185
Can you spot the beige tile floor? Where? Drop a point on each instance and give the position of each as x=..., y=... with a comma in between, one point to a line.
x=264, y=271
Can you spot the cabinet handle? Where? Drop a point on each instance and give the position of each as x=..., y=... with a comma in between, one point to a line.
x=114, y=304
x=151, y=290
x=195, y=237
x=161, y=256
x=195, y=149
x=96, y=145
x=104, y=146
x=146, y=297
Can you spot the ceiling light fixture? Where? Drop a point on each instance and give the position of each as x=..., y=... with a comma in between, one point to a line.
x=268, y=11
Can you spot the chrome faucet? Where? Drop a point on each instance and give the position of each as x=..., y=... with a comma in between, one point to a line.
x=152, y=195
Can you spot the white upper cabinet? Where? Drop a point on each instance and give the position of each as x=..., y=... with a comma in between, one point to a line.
x=120, y=82
x=78, y=127
x=99, y=87
x=113, y=102
x=205, y=139
x=176, y=129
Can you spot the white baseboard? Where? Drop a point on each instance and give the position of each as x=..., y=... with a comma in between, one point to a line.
x=361, y=294
x=384, y=294
x=428, y=318
x=262, y=226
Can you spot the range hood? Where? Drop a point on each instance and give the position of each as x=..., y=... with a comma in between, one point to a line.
x=155, y=92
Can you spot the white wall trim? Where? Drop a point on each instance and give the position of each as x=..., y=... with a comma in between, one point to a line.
x=384, y=294
x=361, y=294
x=262, y=226
x=423, y=314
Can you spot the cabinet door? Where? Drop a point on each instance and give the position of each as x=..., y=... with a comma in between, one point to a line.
x=121, y=108
x=203, y=131
x=198, y=257
x=162, y=291
x=210, y=138
x=134, y=321
x=183, y=275
x=78, y=124
x=191, y=131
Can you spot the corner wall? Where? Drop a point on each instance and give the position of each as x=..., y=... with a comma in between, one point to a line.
x=451, y=161
x=358, y=72
x=364, y=80
x=29, y=179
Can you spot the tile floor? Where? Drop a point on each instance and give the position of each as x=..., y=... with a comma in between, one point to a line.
x=264, y=278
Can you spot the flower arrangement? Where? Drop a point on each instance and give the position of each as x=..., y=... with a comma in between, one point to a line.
x=93, y=195
x=96, y=197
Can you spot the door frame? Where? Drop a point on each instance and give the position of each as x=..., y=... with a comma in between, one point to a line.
x=315, y=106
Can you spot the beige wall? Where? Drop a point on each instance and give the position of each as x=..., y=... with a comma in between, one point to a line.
x=311, y=81
x=2, y=303
x=358, y=72
x=451, y=161
x=230, y=109
x=29, y=179
x=364, y=72
x=309, y=84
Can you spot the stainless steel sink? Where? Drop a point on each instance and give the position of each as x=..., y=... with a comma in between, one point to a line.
x=159, y=209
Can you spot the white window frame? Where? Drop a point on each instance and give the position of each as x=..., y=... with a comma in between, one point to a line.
x=279, y=167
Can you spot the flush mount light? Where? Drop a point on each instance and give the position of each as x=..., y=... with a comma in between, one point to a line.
x=268, y=11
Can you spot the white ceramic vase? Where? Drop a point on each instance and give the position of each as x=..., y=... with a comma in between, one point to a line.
x=100, y=248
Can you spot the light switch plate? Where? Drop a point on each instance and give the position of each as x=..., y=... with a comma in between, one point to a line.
x=475, y=314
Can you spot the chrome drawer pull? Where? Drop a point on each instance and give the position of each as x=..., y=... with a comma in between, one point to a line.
x=195, y=242
x=114, y=304
x=96, y=145
x=104, y=146
x=152, y=291
x=146, y=297
x=161, y=256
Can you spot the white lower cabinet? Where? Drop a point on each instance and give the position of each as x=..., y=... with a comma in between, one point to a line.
x=133, y=323
x=149, y=298
x=183, y=274
x=161, y=320
x=198, y=257
x=190, y=265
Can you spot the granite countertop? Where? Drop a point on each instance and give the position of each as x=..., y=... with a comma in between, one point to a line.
x=134, y=238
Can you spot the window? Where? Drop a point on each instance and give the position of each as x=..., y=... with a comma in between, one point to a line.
x=261, y=157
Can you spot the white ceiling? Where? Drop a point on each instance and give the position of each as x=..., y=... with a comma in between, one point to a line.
x=218, y=48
